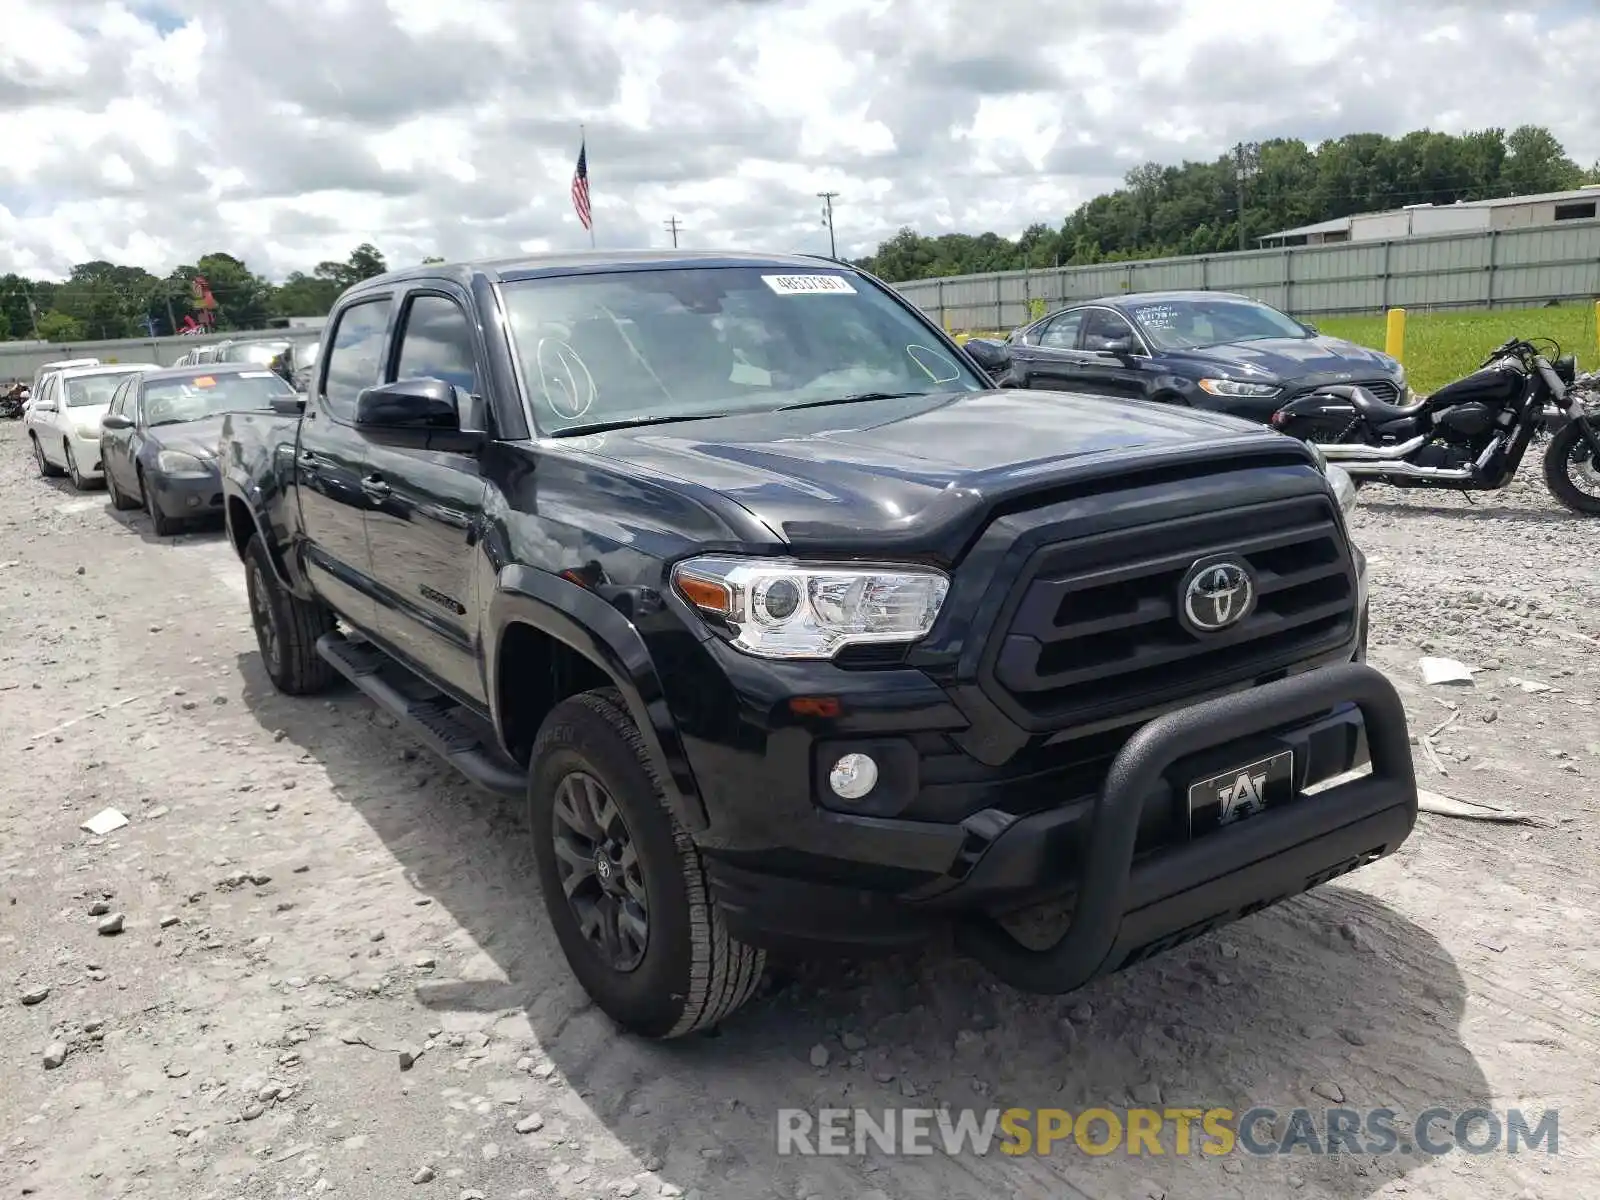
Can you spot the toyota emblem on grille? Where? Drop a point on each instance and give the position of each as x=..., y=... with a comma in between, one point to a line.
x=1216, y=594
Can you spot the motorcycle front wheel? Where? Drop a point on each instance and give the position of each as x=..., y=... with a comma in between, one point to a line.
x=1570, y=470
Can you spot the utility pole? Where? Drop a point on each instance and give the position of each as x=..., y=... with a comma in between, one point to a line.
x=1238, y=174
x=672, y=227
x=827, y=219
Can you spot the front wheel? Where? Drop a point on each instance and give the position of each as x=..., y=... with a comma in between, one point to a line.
x=623, y=882
x=78, y=480
x=119, y=501
x=160, y=523
x=287, y=627
x=1570, y=470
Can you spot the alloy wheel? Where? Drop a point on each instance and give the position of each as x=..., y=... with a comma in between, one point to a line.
x=598, y=864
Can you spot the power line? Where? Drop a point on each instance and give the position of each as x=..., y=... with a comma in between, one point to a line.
x=827, y=219
x=672, y=226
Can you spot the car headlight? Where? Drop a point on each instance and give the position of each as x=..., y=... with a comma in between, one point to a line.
x=1344, y=488
x=783, y=609
x=1234, y=388
x=175, y=462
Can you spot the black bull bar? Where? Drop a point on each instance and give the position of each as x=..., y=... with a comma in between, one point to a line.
x=1126, y=912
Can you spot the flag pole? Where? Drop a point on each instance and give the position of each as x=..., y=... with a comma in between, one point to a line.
x=583, y=141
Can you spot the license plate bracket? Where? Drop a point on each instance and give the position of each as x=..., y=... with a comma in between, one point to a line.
x=1248, y=790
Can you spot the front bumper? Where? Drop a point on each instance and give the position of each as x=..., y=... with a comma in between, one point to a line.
x=1134, y=884
x=186, y=497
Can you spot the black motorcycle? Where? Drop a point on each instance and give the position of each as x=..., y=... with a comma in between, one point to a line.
x=12, y=402
x=1470, y=435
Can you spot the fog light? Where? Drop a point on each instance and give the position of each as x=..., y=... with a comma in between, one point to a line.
x=853, y=776
x=192, y=501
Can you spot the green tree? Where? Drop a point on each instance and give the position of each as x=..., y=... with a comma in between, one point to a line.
x=56, y=326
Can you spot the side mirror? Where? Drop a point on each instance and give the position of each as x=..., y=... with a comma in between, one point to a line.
x=1121, y=347
x=1310, y=328
x=421, y=407
x=989, y=354
x=115, y=421
x=289, y=406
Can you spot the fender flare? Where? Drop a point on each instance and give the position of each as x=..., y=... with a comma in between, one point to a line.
x=259, y=527
x=589, y=626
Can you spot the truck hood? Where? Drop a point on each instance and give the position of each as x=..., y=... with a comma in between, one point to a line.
x=889, y=466
x=1293, y=359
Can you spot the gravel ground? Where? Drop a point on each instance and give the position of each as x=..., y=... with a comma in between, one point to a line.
x=304, y=894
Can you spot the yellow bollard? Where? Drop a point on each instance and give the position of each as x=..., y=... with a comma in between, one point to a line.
x=1394, y=338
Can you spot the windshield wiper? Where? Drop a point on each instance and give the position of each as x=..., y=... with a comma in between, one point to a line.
x=857, y=398
x=634, y=423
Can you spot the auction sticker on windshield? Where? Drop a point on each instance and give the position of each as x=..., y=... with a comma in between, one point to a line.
x=809, y=285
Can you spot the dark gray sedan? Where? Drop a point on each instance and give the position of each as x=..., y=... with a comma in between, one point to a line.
x=158, y=440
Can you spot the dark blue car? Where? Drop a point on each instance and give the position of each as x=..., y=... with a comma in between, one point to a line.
x=1211, y=350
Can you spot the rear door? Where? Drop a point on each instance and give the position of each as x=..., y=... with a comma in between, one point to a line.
x=330, y=461
x=427, y=504
x=1049, y=352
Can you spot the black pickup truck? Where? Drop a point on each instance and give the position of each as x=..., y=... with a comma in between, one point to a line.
x=791, y=632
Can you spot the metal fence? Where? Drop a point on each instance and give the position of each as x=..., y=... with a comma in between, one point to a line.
x=19, y=360
x=1509, y=268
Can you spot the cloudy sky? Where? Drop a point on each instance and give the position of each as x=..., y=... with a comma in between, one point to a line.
x=286, y=131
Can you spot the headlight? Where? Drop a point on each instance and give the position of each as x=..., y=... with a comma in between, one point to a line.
x=782, y=609
x=1232, y=387
x=1344, y=488
x=175, y=462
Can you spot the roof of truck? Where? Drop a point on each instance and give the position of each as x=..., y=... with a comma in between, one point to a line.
x=529, y=266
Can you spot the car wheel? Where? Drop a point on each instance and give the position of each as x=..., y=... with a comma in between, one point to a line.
x=163, y=525
x=47, y=469
x=78, y=481
x=118, y=501
x=287, y=628
x=623, y=882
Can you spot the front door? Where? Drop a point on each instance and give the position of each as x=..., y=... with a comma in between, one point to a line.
x=427, y=505
x=331, y=459
x=115, y=455
x=1108, y=374
x=1049, y=355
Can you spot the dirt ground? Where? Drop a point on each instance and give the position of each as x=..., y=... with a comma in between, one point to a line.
x=305, y=893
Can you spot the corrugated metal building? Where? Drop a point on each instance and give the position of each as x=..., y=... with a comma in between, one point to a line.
x=1427, y=220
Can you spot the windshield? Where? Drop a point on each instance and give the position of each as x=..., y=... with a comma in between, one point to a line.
x=253, y=352
x=1192, y=324
x=87, y=391
x=639, y=346
x=171, y=401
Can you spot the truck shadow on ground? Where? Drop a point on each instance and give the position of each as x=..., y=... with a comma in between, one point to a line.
x=1329, y=1000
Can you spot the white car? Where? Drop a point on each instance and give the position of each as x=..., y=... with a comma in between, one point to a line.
x=38, y=376
x=63, y=422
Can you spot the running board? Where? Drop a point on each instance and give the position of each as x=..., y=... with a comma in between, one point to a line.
x=447, y=728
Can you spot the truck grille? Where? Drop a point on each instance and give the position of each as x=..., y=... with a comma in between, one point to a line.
x=1093, y=624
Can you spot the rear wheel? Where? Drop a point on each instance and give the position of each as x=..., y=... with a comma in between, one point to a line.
x=1571, y=472
x=623, y=882
x=287, y=627
x=47, y=469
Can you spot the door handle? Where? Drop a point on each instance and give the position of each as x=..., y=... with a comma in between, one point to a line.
x=374, y=486
x=307, y=459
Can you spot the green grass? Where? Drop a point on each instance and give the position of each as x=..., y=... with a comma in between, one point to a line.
x=1445, y=346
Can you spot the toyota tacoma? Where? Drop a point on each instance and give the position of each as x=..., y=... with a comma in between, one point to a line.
x=791, y=632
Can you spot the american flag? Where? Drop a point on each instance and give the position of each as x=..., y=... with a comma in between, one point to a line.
x=580, y=187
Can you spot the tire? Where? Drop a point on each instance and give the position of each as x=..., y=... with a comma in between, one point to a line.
x=287, y=628
x=118, y=501
x=79, y=483
x=691, y=973
x=1558, y=471
x=47, y=470
x=163, y=525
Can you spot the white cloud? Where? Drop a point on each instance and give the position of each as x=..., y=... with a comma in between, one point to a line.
x=286, y=131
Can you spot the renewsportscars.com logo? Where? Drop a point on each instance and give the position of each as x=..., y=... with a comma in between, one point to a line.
x=1162, y=1131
